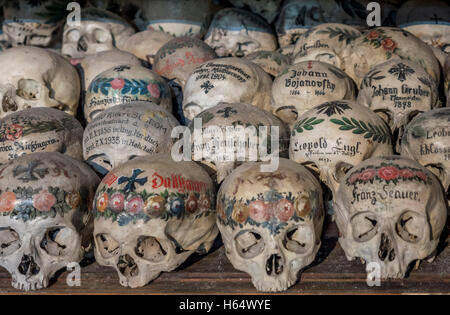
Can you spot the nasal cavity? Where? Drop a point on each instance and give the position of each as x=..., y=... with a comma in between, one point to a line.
x=274, y=265
x=28, y=266
x=386, y=250
x=127, y=266
x=82, y=44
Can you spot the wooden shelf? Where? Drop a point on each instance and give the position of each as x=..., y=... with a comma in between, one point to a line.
x=213, y=274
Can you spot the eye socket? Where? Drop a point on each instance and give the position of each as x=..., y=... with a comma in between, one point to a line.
x=413, y=114
x=73, y=35
x=410, y=226
x=101, y=36
x=299, y=239
x=59, y=241
x=107, y=245
x=312, y=167
x=342, y=169
x=384, y=114
x=364, y=226
x=249, y=244
x=9, y=241
x=28, y=89
x=436, y=169
x=149, y=248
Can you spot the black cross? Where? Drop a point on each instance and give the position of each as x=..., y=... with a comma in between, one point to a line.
x=130, y=186
x=226, y=112
x=207, y=86
x=29, y=171
x=436, y=18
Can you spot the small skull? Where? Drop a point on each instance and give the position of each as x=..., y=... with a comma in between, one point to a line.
x=146, y=44
x=272, y=62
x=333, y=137
x=210, y=84
x=237, y=33
x=390, y=211
x=151, y=214
x=124, y=84
x=176, y=59
x=126, y=131
x=271, y=223
x=40, y=129
x=45, y=220
x=36, y=77
x=267, y=9
x=98, y=30
x=306, y=84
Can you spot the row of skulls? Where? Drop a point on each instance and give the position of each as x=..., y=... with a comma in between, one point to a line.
x=341, y=98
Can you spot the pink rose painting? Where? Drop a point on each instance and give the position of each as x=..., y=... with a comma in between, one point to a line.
x=44, y=201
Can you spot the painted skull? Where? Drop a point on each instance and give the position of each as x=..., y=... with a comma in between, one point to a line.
x=333, y=137
x=177, y=58
x=447, y=79
x=126, y=131
x=36, y=77
x=124, y=84
x=151, y=214
x=239, y=130
x=397, y=90
x=427, y=140
x=428, y=20
x=40, y=129
x=45, y=219
x=390, y=211
x=267, y=9
x=146, y=44
x=271, y=223
x=211, y=83
x=272, y=62
x=306, y=84
x=384, y=43
x=98, y=30
x=237, y=33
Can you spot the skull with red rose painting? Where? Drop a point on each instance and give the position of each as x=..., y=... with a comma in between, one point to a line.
x=36, y=77
x=151, y=214
x=390, y=211
x=271, y=222
x=333, y=137
x=45, y=219
x=124, y=84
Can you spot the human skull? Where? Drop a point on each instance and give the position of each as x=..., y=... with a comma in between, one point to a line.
x=151, y=214
x=447, y=79
x=177, y=58
x=267, y=9
x=271, y=223
x=397, y=90
x=36, y=77
x=237, y=33
x=98, y=30
x=124, y=84
x=211, y=83
x=325, y=42
x=126, y=131
x=306, y=84
x=428, y=20
x=40, y=129
x=333, y=137
x=296, y=16
x=45, y=220
x=95, y=64
x=390, y=211
x=384, y=43
x=238, y=128
x=177, y=18
x=427, y=140
x=146, y=44
x=33, y=23
x=272, y=62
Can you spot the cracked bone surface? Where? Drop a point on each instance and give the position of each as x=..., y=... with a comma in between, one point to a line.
x=151, y=214
x=46, y=222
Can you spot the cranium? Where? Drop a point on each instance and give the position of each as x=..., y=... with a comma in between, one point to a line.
x=384, y=43
x=271, y=223
x=333, y=137
x=124, y=84
x=45, y=219
x=305, y=84
x=390, y=211
x=40, y=129
x=177, y=58
x=151, y=214
x=146, y=44
x=211, y=83
x=98, y=30
x=397, y=90
x=236, y=32
x=123, y=132
x=272, y=62
x=36, y=77
x=267, y=9
x=447, y=80
x=240, y=127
